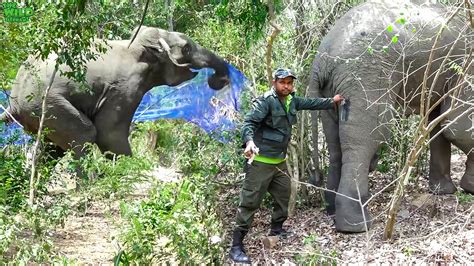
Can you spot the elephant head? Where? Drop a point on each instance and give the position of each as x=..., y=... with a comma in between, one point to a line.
x=176, y=55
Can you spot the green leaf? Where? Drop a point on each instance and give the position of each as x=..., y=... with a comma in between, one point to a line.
x=118, y=259
x=401, y=20
x=370, y=50
x=390, y=28
x=395, y=39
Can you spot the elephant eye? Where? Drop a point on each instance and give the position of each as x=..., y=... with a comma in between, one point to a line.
x=186, y=50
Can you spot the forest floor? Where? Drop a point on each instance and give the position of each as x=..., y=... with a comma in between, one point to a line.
x=430, y=229
x=91, y=236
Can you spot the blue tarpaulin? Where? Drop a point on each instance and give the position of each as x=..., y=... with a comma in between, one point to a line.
x=12, y=133
x=194, y=101
x=214, y=111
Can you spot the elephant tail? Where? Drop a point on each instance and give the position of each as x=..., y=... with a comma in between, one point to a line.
x=316, y=85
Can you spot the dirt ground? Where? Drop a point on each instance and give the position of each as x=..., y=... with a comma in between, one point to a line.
x=90, y=237
x=430, y=229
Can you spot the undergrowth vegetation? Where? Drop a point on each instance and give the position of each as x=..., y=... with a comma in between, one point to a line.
x=23, y=230
x=178, y=222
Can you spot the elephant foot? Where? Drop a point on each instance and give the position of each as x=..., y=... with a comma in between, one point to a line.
x=352, y=221
x=467, y=180
x=330, y=211
x=467, y=183
x=351, y=226
x=442, y=186
x=315, y=180
x=330, y=203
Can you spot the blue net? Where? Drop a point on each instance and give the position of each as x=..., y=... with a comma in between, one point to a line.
x=194, y=101
x=214, y=111
x=12, y=133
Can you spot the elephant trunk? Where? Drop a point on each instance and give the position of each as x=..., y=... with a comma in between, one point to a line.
x=205, y=58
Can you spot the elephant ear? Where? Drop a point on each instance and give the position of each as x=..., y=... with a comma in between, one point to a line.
x=155, y=41
x=145, y=38
x=146, y=35
x=164, y=47
x=155, y=50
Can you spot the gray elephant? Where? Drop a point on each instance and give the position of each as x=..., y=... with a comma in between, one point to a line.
x=118, y=81
x=376, y=56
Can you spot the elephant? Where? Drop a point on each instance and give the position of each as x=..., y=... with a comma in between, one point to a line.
x=376, y=55
x=117, y=81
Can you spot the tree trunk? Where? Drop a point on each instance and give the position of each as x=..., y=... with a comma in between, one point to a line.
x=169, y=10
x=294, y=179
x=35, y=149
x=271, y=39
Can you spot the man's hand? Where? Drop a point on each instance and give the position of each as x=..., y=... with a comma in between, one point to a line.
x=337, y=98
x=250, y=149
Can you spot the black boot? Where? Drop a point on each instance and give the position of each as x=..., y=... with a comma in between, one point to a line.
x=277, y=230
x=237, y=252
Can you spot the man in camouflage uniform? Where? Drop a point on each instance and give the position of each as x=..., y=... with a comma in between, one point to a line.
x=266, y=133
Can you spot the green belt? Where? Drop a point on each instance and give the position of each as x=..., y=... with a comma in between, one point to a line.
x=264, y=159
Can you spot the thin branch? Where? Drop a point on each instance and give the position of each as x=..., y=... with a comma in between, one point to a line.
x=10, y=116
x=469, y=12
x=424, y=87
x=326, y=17
x=35, y=147
x=269, y=48
x=469, y=110
x=141, y=23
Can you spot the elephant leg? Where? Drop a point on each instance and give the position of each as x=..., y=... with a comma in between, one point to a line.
x=440, y=164
x=460, y=123
x=360, y=138
x=53, y=151
x=113, y=122
x=112, y=134
x=374, y=162
x=331, y=131
x=113, y=140
x=69, y=128
x=351, y=216
x=467, y=180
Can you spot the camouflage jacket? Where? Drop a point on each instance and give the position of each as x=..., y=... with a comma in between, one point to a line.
x=269, y=124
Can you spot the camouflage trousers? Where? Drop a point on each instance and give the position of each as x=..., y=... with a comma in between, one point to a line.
x=260, y=178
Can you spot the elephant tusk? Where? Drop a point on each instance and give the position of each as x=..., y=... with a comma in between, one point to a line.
x=167, y=48
x=101, y=100
x=164, y=44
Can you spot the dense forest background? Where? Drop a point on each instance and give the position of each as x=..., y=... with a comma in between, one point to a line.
x=182, y=215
